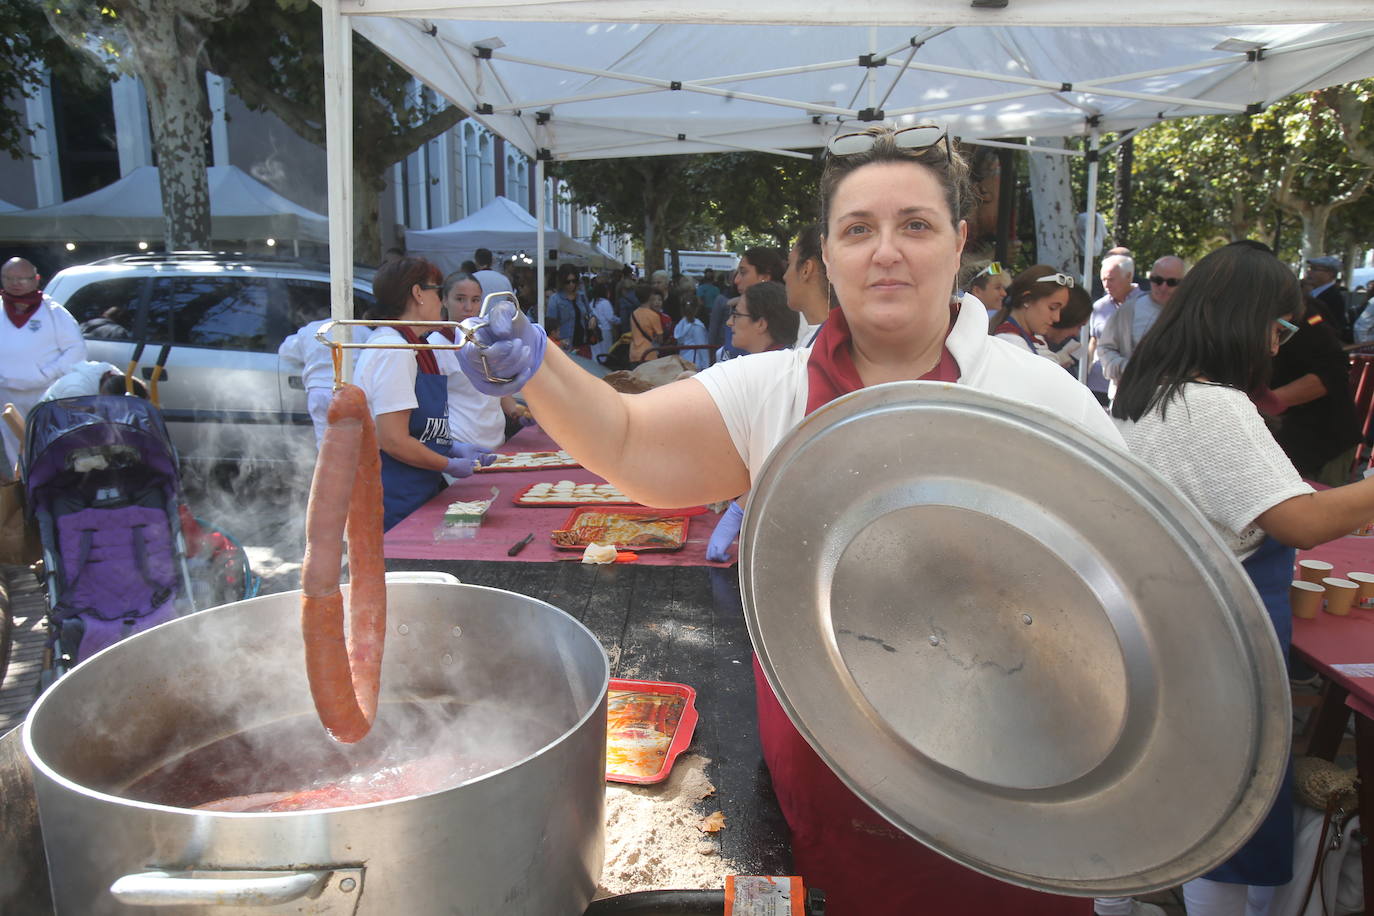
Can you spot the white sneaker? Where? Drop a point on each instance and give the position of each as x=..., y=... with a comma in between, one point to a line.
x=1145, y=909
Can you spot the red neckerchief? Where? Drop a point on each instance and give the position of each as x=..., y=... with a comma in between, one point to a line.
x=830, y=370
x=425, y=359
x=19, y=309
x=1011, y=327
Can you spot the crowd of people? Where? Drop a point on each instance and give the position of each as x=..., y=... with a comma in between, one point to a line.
x=1227, y=377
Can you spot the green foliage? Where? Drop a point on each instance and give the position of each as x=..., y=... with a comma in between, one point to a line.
x=683, y=202
x=27, y=44
x=273, y=55
x=1295, y=166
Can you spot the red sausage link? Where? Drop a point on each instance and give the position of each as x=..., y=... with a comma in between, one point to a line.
x=346, y=494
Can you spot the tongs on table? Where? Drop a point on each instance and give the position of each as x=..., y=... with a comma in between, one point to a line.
x=465, y=334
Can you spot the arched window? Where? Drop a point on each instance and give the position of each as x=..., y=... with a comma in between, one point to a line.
x=512, y=189
x=488, y=169
x=472, y=171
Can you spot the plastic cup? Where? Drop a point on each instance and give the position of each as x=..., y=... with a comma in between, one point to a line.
x=1340, y=595
x=1364, y=598
x=1306, y=598
x=1314, y=570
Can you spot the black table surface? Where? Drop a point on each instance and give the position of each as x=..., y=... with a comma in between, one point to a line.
x=669, y=623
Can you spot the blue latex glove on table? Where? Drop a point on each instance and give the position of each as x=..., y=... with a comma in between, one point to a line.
x=727, y=529
x=465, y=458
x=507, y=350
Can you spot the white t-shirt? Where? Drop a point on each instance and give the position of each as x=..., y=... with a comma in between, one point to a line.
x=302, y=352
x=1213, y=446
x=387, y=376
x=473, y=417
x=763, y=396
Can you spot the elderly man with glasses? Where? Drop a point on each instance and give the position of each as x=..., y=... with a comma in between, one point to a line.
x=1131, y=322
x=39, y=342
x=1321, y=277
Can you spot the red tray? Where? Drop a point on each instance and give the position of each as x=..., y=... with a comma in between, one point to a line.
x=561, y=465
x=665, y=736
x=579, y=512
x=519, y=494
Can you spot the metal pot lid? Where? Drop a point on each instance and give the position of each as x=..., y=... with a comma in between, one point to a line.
x=1018, y=645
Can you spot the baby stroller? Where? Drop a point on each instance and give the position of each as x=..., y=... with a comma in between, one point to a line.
x=101, y=480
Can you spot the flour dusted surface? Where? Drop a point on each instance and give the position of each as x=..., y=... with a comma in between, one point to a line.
x=654, y=839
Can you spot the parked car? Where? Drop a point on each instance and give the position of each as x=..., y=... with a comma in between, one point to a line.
x=224, y=393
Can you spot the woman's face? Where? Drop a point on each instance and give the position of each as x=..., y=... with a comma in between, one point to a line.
x=746, y=276
x=1039, y=315
x=891, y=253
x=994, y=292
x=798, y=279
x=425, y=302
x=748, y=333
x=464, y=300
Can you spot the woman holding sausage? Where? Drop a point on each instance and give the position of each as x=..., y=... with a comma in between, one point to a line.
x=408, y=395
x=892, y=205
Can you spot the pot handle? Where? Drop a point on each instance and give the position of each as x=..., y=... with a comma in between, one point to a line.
x=160, y=888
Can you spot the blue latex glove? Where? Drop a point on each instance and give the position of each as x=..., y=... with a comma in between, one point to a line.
x=727, y=529
x=460, y=467
x=471, y=452
x=514, y=350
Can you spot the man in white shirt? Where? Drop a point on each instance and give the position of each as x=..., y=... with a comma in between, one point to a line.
x=1117, y=273
x=491, y=281
x=1125, y=329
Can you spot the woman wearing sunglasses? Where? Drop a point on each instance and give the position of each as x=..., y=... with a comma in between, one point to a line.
x=1034, y=301
x=1185, y=410
x=407, y=392
x=892, y=211
x=989, y=285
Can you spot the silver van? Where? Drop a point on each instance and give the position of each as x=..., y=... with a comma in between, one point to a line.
x=221, y=319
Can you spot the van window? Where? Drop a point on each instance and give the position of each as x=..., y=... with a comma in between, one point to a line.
x=225, y=313
x=310, y=301
x=106, y=309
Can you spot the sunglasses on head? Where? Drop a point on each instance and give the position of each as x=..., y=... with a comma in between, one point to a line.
x=992, y=270
x=919, y=137
x=1062, y=279
x=1165, y=281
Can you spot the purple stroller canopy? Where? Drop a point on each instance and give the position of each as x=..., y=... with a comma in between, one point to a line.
x=56, y=429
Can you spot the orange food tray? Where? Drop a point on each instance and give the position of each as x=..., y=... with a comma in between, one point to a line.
x=676, y=532
x=649, y=723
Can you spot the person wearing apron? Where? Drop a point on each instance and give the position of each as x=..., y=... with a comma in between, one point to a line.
x=408, y=395
x=1184, y=410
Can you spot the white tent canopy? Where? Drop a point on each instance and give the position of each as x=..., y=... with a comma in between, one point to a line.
x=130, y=210
x=573, y=79
x=505, y=228
x=600, y=90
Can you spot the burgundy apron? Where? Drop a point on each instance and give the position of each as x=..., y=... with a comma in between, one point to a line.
x=866, y=866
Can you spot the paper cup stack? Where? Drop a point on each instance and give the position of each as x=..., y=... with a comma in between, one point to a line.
x=1317, y=582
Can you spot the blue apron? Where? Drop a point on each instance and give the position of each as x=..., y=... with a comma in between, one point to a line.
x=405, y=487
x=1267, y=858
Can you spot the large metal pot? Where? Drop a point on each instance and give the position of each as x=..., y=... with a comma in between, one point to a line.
x=526, y=838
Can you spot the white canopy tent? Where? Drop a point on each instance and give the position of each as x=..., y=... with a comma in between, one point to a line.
x=572, y=79
x=130, y=210
x=504, y=227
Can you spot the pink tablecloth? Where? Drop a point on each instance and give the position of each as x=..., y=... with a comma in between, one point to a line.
x=421, y=535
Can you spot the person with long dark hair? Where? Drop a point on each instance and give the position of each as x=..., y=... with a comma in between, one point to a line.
x=408, y=394
x=1184, y=409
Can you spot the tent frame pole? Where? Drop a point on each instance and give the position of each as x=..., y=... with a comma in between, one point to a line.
x=539, y=217
x=338, y=108
x=1089, y=246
